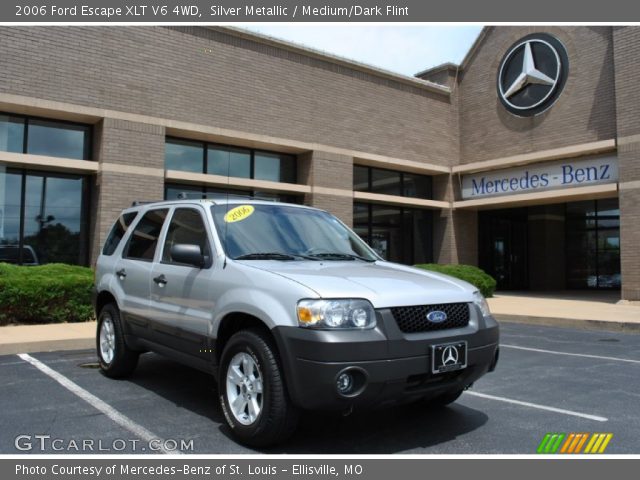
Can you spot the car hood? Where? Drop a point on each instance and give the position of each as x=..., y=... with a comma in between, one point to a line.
x=384, y=284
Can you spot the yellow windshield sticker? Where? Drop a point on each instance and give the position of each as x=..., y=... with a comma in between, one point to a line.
x=238, y=213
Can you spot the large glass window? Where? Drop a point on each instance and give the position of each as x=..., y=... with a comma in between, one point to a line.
x=11, y=133
x=43, y=217
x=593, y=244
x=397, y=234
x=391, y=182
x=183, y=155
x=229, y=161
x=38, y=136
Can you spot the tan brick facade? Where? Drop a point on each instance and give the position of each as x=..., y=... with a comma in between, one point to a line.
x=139, y=84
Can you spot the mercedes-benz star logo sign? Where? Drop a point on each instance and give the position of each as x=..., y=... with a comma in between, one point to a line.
x=449, y=355
x=532, y=74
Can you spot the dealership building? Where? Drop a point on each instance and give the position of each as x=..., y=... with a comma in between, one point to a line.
x=524, y=159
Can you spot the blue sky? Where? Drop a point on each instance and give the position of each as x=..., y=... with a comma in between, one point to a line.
x=401, y=49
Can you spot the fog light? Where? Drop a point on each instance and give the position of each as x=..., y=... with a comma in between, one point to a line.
x=344, y=383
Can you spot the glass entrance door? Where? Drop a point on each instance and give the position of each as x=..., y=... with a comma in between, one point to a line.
x=593, y=244
x=503, y=247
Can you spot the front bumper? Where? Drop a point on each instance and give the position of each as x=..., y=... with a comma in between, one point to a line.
x=394, y=367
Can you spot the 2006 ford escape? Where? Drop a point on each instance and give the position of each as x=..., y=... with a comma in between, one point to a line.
x=287, y=308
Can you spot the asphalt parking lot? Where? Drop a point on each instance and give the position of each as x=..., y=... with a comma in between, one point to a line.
x=548, y=380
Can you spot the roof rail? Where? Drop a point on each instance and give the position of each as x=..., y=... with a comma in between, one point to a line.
x=212, y=196
x=137, y=203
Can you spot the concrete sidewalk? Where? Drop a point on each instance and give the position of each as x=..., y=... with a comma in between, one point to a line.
x=595, y=310
x=45, y=338
x=584, y=310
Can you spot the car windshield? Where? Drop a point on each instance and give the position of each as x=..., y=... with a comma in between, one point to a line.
x=282, y=232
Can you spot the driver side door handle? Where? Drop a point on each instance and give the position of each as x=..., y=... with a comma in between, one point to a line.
x=160, y=280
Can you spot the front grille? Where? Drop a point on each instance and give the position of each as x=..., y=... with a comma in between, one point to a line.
x=414, y=319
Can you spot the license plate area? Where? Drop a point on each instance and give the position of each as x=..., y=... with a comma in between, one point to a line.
x=448, y=357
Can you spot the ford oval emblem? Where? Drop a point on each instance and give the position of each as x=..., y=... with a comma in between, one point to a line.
x=437, y=316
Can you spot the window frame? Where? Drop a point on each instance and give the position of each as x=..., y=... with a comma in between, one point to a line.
x=87, y=151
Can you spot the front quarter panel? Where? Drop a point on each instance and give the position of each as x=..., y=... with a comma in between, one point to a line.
x=264, y=295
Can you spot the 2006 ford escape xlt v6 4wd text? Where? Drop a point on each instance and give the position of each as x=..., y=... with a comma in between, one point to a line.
x=289, y=310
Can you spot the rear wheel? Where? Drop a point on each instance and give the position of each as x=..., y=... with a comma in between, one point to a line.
x=252, y=390
x=115, y=358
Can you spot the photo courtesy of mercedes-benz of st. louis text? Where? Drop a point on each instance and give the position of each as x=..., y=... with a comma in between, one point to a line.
x=287, y=308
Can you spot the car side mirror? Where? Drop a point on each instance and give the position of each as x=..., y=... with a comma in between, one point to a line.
x=188, y=254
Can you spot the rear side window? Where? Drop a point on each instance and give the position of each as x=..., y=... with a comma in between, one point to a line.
x=117, y=232
x=144, y=239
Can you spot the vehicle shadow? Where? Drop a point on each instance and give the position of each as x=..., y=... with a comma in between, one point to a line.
x=401, y=429
x=185, y=387
x=404, y=428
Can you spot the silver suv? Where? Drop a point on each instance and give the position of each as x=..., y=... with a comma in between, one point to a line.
x=289, y=310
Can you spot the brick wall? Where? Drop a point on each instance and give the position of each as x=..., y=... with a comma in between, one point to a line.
x=123, y=142
x=626, y=54
x=584, y=112
x=206, y=76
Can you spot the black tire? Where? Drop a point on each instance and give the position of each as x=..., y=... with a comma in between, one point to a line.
x=445, y=399
x=278, y=418
x=124, y=359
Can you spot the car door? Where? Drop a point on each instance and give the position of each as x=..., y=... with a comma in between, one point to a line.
x=133, y=271
x=182, y=302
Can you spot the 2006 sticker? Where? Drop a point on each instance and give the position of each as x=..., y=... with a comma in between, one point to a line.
x=238, y=213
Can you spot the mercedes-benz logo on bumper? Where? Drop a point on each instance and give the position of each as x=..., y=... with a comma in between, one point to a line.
x=449, y=355
x=532, y=74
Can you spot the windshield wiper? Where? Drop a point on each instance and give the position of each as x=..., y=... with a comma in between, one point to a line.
x=265, y=256
x=340, y=256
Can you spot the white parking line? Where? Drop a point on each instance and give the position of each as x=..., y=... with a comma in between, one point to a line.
x=539, y=407
x=98, y=404
x=584, y=355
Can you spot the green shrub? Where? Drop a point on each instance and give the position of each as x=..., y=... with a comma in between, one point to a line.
x=474, y=275
x=52, y=293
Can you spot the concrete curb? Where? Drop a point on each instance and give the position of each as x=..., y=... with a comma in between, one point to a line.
x=611, y=326
x=47, y=346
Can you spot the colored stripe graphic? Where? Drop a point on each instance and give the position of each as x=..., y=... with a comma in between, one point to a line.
x=581, y=443
x=572, y=443
x=598, y=443
x=551, y=442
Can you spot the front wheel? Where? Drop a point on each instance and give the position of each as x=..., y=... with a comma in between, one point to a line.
x=252, y=391
x=116, y=359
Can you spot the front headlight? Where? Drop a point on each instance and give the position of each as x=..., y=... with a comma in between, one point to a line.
x=480, y=301
x=341, y=313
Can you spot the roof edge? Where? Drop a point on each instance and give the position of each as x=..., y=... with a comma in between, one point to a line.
x=438, y=68
x=335, y=59
x=474, y=47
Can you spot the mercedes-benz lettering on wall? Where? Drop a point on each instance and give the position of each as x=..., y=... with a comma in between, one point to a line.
x=532, y=74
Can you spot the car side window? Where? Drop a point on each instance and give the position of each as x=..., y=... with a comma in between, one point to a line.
x=144, y=239
x=117, y=232
x=186, y=227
